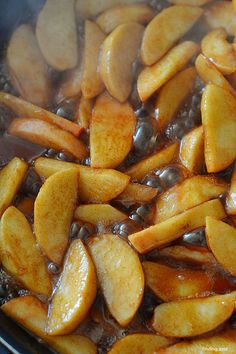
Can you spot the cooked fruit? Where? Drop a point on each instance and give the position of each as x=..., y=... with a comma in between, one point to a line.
x=83, y=114
x=95, y=185
x=20, y=255
x=48, y=135
x=231, y=197
x=75, y=293
x=111, y=132
x=171, y=229
x=116, y=262
x=24, y=61
x=192, y=150
x=157, y=160
x=119, y=51
x=20, y=308
x=191, y=192
x=92, y=84
x=121, y=14
x=216, y=47
x=172, y=96
x=189, y=2
x=152, y=78
x=11, y=178
x=219, y=122
x=158, y=38
x=192, y=317
x=137, y=193
x=53, y=212
x=222, y=14
x=57, y=34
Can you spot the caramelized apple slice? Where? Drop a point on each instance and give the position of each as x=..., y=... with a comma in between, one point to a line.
x=192, y=317
x=216, y=47
x=157, y=160
x=222, y=14
x=121, y=14
x=84, y=111
x=24, y=60
x=152, y=78
x=11, y=178
x=53, y=213
x=231, y=198
x=172, y=96
x=20, y=255
x=119, y=51
x=116, y=262
x=189, y=2
x=158, y=38
x=219, y=122
x=76, y=291
x=92, y=84
x=137, y=193
x=192, y=150
x=97, y=214
x=57, y=35
x=47, y=135
x=191, y=192
x=171, y=229
x=95, y=185
x=111, y=139
x=20, y=308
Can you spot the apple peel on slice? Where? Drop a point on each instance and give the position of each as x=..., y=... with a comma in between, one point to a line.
x=192, y=150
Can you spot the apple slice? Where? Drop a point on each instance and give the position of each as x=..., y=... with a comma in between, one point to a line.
x=140, y=343
x=28, y=110
x=57, y=35
x=216, y=47
x=111, y=139
x=153, y=162
x=92, y=84
x=231, y=198
x=24, y=60
x=45, y=134
x=75, y=293
x=20, y=255
x=171, y=229
x=53, y=212
x=137, y=193
x=120, y=14
x=189, y=2
x=222, y=14
x=95, y=185
x=83, y=114
x=20, y=308
x=172, y=96
x=120, y=276
x=158, y=38
x=11, y=178
x=119, y=51
x=219, y=121
x=192, y=317
x=153, y=77
x=192, y=150
x=189, y=193
x=234, y=5
x=97, y=214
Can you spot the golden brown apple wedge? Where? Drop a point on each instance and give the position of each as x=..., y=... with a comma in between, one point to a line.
x=153, y=77
x=234, y=5
x=97, y=214
x=216, y=47
x=45, y=134
x=20, y=255
x=172, y=96
x=192, y=150
x=158, y=38
x=218, y=109
x=189, y=193
x=171, y=229
x=95, y=185
x=189, y=2
x=20, y=308
x=57, y=34
x=11, y=178
x=192, y=317
x=137, y=193
x=53, y=212
x=75, y=293
x=119, y=51
x=231, y=197
x=120, y=14
x=24, y=61
x=111, y=139
x=92, y=84
x=116, y=262
x=153, y=162
x=222, y=14
x=83, y=114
